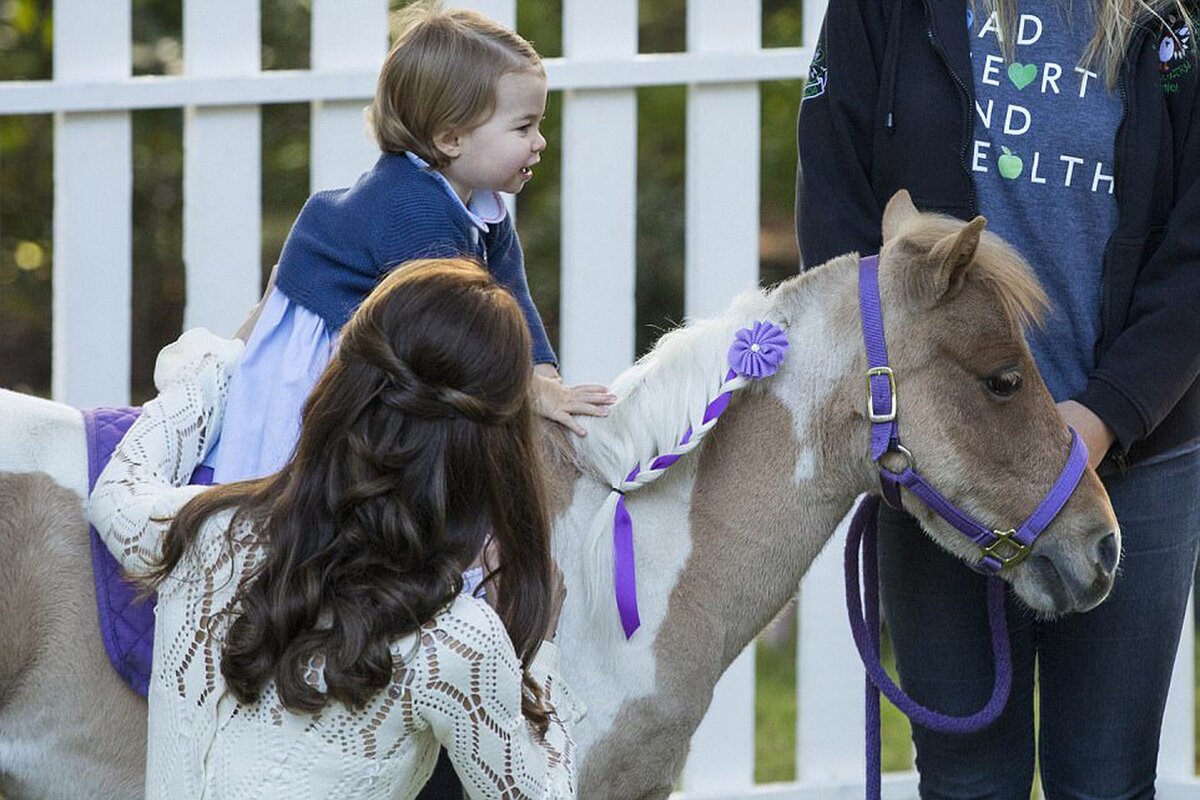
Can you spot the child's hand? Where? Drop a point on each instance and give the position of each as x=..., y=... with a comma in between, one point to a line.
x=554, y=400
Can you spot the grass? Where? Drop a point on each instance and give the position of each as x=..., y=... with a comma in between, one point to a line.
x=775, y=716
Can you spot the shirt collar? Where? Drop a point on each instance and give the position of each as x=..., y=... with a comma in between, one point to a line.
x=485, y=208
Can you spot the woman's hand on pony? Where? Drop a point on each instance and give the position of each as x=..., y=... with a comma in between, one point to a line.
x=558, y=595
x=554, y=400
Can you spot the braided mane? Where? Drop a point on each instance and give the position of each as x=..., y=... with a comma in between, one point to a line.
x=665, y=392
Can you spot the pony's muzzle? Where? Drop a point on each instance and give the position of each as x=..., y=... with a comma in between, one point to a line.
x=1061, y=580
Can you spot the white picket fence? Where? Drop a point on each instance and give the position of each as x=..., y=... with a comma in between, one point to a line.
x=223, y=91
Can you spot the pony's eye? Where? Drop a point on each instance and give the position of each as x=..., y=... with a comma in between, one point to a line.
x=1004, y=384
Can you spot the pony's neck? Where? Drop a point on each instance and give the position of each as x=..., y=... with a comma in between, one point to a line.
x=723, y=537
x=827, y=399
x=786, y=464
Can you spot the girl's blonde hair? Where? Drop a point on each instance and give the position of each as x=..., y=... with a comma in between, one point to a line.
x=442, y=73
x=1116, y=23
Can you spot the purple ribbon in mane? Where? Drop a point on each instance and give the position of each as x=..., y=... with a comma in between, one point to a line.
x=756, y=353
x=999, y=548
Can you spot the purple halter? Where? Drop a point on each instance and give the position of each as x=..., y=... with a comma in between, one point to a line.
x=998, y=548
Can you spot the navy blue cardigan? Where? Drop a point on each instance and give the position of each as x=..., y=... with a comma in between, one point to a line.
x=346, y=240
x=889, y=107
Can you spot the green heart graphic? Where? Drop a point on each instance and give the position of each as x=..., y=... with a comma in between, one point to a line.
x=1022, y=74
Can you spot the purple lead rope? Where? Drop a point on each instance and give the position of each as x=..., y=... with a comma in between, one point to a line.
x=865, y=630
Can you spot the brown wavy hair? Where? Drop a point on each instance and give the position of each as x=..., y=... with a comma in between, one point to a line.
x=441, y=74
x=416, y=443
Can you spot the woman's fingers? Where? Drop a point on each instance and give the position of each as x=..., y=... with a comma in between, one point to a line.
x=592, y=388
x=588, y=409
x=563, y=417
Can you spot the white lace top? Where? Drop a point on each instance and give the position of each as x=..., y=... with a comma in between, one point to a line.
x=458, y=684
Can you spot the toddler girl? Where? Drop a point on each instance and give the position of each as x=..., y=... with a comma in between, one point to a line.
x=456, y=114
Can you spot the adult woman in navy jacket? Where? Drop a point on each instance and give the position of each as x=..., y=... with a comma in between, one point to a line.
x=1075, y=129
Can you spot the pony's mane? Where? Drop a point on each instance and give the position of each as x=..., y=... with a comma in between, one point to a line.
x=667, y=390
x=997, y=266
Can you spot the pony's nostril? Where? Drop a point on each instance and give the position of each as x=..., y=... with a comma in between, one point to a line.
x=1107, y=553
x=1052, y=583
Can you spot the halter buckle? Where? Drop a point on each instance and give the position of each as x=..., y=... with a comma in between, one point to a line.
x=891, y=379
x=1006, y=549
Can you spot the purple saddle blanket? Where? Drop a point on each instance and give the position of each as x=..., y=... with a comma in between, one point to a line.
x=126, y=625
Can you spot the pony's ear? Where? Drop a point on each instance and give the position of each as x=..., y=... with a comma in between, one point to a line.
x=899, y=210
x=951, y=256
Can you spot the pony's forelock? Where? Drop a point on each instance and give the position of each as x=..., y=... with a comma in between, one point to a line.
x=997, y=266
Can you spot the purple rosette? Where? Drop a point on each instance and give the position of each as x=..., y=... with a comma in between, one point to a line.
x=758, y=351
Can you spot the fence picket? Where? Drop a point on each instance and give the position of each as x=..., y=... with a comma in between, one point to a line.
x=722, y=162
x=502, y=11
x=222, y=209
x=721, y=258
x=93, y=189
x=599, y=185
x=347, y=36
x=829, y=677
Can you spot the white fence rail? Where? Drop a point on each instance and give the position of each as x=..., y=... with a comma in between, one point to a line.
x=222, y=92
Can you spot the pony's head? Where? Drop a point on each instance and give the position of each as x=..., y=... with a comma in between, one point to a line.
x=973, y=410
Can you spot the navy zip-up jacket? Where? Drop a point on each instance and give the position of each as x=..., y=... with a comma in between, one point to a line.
x=889, y=105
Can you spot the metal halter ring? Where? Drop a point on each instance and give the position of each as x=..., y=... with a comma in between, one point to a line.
x=904, y=453
x=1014, y=550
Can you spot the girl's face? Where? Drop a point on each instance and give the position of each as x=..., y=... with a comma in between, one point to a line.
x=499, y=154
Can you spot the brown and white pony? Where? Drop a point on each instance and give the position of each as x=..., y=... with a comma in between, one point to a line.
x=722, y=538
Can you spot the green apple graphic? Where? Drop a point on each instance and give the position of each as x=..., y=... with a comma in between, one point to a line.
x=1010, y=166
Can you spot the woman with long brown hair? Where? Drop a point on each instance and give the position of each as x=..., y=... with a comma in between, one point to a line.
x=311, y=639
x=1074, y=127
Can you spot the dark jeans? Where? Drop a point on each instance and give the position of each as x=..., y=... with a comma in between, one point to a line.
x=1102, y=675
x=443, y=784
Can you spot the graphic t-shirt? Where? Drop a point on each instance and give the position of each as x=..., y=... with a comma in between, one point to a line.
x=1042, y=162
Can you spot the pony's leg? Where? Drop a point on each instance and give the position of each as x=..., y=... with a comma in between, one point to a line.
x=643, y=754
